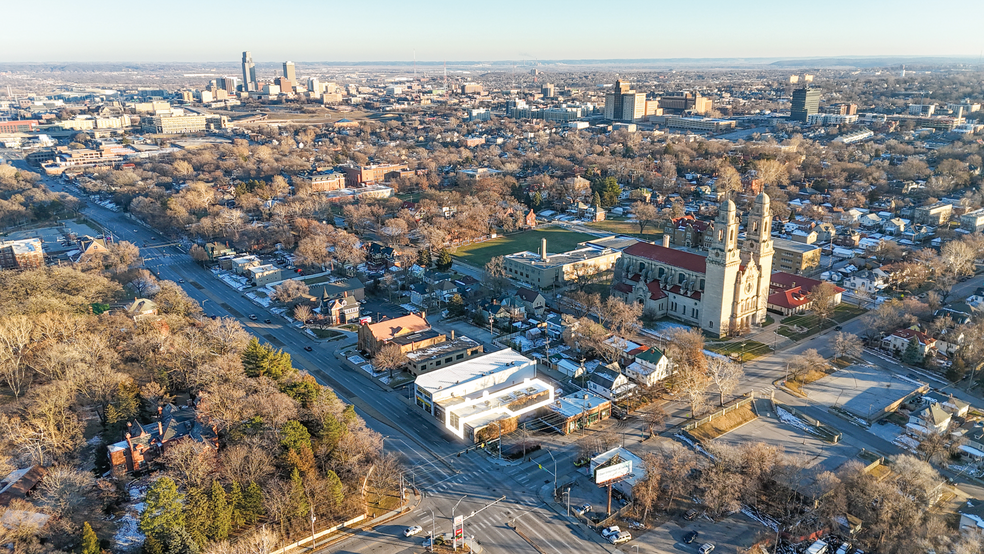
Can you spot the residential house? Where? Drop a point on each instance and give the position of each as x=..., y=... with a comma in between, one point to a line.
x=789, y=294
x=610, y=384
x=143, y=443
x=826, y=232
x=503, y=311
x=90, y=248
x=689, y=232
x=19, y=484
x=142, y=309
x=899, y=341
x=380, y=255
x=933, y=419
x=870, y=281
x=341, y=310
x=532, y=301
x=895, y=226
x=216, y=250
x=530, y=220
x=805, y=236
x=949, y=403
x=649, y=367
x=917, y=233
x=871, y=221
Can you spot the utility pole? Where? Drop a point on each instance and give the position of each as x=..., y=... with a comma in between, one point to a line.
x=554, y=473
x=431, y=547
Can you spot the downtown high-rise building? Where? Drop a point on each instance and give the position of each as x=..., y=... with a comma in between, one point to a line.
x=806, y=102
x=249, y=73
x=289, y=72
x=625, y=104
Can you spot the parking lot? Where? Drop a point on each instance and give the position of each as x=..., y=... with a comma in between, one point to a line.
x=727, y=535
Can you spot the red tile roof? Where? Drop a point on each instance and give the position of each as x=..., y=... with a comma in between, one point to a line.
x=909, y=333
x=789, y=298
x=655, y=292
x=668, y=256
x=623, y=287
x=782, y=280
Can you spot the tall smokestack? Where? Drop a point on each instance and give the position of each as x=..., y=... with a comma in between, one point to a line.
x=543, y=249
x=666, y=240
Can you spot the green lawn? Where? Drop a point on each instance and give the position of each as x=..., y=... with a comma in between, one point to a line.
x=625, y=227
x=810, y=322
x=327, y=333
x=752, y=349
x=558, y=240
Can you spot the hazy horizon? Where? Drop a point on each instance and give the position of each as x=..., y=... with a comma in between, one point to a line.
x=187, y=32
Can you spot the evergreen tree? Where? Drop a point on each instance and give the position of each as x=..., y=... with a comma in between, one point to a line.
x=90, y=542
x=294, y=435
x=596, y=199
x=911, y=354
x=252, y=507
x=236, y=516
x=424, y=258
x=444, y=260
x=179, y=541
x=334, y=492
x=198, y=516
x=152, y=546
x=260, y=359
x=332, y=431
x=298, y=498
x=221, y=513
x=456, y=307
x=164, y=511
x=608, y=190
x=253, y=357
x=536, y=202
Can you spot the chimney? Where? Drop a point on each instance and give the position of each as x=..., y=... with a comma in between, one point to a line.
x=666, y=240
x=160, y=430
x=543, y=249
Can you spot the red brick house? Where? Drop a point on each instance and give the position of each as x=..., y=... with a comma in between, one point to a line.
x=143, y=443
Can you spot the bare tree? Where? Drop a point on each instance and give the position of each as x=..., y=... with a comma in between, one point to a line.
x=823, y=300
x=647, y=491
x=809, y=360
x=494, y=278
x=289, y=290
x=16, y=343
x=725, y=374
x=303, y=313
x=389, y=358
x=198, y=254
x=645, y=214
x=694, y=382
x=846, y=344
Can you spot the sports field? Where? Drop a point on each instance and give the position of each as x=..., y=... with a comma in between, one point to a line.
x=558, y=240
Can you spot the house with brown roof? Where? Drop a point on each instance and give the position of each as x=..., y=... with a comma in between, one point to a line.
x=790, y=294
x=899, y=341
x=144, y=442
x=142, y=309
x=410, y=332
x=19, y=484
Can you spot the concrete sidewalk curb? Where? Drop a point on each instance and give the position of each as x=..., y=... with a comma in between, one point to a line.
x=383, y=519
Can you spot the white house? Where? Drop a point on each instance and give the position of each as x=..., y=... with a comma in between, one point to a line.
x=870, y=281
x=895, y=226
x=649, y=368
x=610, y=384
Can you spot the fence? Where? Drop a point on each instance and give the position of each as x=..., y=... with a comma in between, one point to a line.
x=320, y=534
x=727, y=409
x=822, y=430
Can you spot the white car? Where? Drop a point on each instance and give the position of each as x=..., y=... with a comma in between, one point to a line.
x=619, y=538
x=411, y=531
x=610, y=531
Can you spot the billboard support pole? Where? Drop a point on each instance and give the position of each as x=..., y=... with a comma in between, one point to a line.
x=609, y=499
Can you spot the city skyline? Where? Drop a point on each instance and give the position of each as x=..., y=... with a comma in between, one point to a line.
x=446, y=31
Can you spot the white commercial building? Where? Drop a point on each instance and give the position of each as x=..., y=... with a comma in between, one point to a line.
x=486, y=390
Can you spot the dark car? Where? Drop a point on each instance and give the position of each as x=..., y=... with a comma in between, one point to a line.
x=690, y=537
x=308, y=348
x=838, y=328
x=690, y=515
x=267, y=321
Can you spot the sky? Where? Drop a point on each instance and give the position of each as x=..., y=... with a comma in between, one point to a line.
x=393, y=30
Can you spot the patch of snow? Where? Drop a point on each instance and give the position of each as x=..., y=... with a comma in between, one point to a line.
x=789, y=418
x=128, y=537
x=693, y=444
x=96, y=440
x=906, y=442
x=767, y=521
x=710, y=354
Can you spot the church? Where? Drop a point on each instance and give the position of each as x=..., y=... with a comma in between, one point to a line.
x=724, y=293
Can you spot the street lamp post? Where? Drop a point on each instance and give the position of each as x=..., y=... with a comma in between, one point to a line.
x=554, y=473
x=454, y=529
x=568, y=493
x=431, y=547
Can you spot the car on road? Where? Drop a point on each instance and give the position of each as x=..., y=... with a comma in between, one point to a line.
x=690, y=515
x=609, y=531
x=690, y=537
x=838, y=328
x=181, y=280
x=308, y=348
x=267, y=321
x=136, y=231
x=706, y=548
x=619, y=538
x=411, y=531
x=253, y=317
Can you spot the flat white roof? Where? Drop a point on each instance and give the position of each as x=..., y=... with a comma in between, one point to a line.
x=470, y=369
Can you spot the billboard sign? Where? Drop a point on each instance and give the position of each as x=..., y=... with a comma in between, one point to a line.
x=459, y=530
x=612, y=472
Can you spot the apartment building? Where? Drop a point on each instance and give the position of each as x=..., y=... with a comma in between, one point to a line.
x=973, y=221
x=935, y=214
x=356, y=176
x=625, y=104
x=21, y=254
x=325, y=182
x=175, y=124
x=20, y=126
x=806, y=101
x=795, y=257
x=541, y=270
x=679, y=103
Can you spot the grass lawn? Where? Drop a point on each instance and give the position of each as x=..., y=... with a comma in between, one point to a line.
x=558, y=240
x=721, y=425
x=810, y=322
x=753, y=349
x=326, y=333
x=381, y=502
x=797, y=382
x=625, y=227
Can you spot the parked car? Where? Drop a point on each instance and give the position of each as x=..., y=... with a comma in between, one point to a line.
x=581, y=462
x=609, y=531
x=690, y=515
x=411, y=531
x=583, y=509
x=706, y=548
x=690, y=537
x=619, y=538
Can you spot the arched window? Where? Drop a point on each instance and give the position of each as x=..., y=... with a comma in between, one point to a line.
x=755, y=226
x=642, y=267
x=681, y=278
x=701, y=284
x=662, y=271
x=720, y=235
